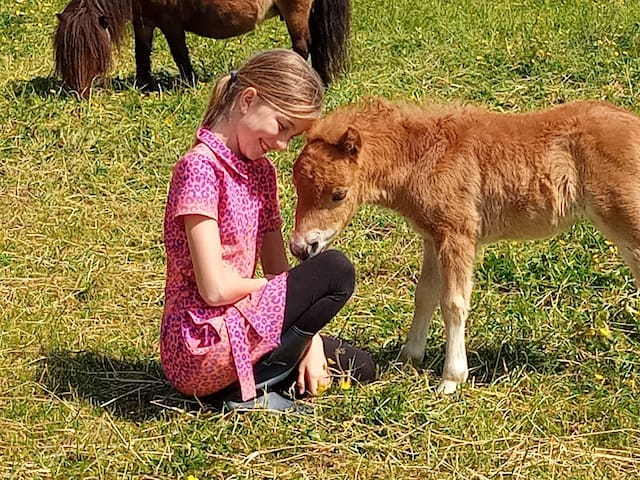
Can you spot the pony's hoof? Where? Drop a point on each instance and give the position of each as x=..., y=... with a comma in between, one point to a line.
x=447, y=387
x=146, y=85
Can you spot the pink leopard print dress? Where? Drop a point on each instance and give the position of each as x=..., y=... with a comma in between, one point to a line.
x=202, y=348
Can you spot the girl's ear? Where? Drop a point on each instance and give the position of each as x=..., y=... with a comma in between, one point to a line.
x=245, y=98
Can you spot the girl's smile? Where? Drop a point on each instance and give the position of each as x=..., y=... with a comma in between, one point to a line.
x=255, y=127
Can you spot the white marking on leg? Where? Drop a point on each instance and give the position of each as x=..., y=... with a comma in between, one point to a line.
x=455, y=369
x=456, y=257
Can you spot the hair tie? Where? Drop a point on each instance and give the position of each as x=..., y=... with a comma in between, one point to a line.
x=233, y=75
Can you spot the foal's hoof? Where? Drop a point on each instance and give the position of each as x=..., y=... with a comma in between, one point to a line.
x=411, y=356
x=447, y=387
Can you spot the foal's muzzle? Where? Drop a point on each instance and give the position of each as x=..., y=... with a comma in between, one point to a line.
x=302, y=252
x=307, y=245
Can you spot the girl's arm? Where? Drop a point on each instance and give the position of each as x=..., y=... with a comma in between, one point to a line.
x=217, y=284
x=272, y=255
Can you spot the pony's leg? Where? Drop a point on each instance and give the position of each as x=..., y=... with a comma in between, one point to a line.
x=175, y=36
x=143, y=37
x=296, y=16
x=456, y=256
x=426, y=299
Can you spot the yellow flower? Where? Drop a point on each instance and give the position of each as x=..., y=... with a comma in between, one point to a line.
x=192, y=477
x=345, y=383
x=598, y=377
x=322, y=387
x=604, y=331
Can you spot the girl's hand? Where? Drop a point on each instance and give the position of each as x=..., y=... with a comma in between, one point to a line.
x=313, y=371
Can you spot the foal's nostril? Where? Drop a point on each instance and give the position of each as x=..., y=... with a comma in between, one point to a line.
x=313, y=248
x=298, y=252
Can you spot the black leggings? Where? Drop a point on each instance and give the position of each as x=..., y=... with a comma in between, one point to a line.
x=316, y=291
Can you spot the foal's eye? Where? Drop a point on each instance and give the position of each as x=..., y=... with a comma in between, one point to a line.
x=339, y=195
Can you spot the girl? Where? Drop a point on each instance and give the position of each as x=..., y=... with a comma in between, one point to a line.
x=221, y=326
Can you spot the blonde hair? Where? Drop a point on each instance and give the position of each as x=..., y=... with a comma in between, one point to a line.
x=282, y=78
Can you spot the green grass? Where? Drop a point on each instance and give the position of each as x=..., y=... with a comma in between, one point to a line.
x=553, y=337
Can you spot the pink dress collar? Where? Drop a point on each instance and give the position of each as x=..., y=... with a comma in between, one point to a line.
x=223, y=152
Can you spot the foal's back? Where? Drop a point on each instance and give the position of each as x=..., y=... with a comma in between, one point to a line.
x=533, y=174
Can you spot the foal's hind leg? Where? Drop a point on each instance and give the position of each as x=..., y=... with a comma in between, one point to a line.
x=426, y=299
x=629, y=249
x=621, y=224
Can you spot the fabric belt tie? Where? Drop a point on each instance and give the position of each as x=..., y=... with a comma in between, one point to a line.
x=240, y=350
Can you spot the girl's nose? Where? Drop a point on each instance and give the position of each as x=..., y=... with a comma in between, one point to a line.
x=281, y=144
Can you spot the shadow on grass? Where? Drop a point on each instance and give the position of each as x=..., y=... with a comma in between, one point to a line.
x=136, y=391
x=490, y=363
x=43, y=87
x=51, y=86
x=486, y=364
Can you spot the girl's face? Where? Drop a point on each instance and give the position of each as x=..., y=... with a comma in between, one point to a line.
x=259, y=128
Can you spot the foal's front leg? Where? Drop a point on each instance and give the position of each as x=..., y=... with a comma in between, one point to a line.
x=456, y=256
x=426, y=299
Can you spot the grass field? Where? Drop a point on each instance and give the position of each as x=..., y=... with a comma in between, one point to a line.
x=554, y=332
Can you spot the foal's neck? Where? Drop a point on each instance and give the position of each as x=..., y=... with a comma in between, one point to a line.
x=400, y=154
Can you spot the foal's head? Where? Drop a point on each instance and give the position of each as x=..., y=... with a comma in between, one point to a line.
x=327, y=184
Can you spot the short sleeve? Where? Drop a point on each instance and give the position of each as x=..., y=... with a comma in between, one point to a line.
x=270, y=218
x=194, y=187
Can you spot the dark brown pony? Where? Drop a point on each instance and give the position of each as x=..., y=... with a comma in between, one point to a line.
x=88, y=29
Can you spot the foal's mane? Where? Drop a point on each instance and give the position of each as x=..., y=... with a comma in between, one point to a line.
x=379, y=117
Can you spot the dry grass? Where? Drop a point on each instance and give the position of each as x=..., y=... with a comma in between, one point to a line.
x=553, y=337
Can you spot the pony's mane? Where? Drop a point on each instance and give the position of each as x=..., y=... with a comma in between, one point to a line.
x=83, y=38
x=79, y=13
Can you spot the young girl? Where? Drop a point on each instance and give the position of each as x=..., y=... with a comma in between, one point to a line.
x=221, y=326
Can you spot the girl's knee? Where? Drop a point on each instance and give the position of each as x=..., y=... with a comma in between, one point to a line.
x=340, y=268
x=338, y=264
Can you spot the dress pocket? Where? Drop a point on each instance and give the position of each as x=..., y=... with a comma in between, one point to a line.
x=202, y=331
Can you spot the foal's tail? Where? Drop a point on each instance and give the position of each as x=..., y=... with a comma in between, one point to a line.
x=87, y=30
x=329, y=25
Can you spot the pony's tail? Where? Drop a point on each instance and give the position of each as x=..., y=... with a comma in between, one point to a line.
x=329, y=26
x=87, y=30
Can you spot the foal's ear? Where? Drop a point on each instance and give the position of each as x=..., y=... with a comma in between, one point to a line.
x=350, y=142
